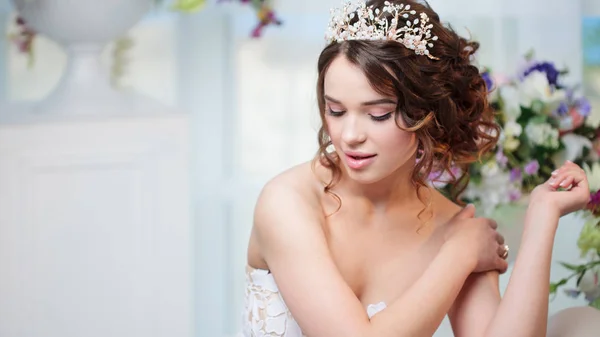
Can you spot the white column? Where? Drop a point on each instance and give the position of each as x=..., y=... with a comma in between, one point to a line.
x=206, y=92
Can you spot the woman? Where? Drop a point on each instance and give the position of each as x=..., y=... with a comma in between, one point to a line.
x=356, y=243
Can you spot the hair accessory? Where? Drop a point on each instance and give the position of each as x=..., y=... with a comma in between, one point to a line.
x=371, y=24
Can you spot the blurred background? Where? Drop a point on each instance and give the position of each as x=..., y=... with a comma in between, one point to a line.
x=127, y=212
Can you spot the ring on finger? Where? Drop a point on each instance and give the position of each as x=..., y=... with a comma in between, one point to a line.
x=505, y=253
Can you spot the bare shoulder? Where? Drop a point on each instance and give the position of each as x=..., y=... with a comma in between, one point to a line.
x=445, y=208
x=297, y=186
x=289, y=204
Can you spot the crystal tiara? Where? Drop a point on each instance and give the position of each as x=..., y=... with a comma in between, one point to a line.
x=371, y=24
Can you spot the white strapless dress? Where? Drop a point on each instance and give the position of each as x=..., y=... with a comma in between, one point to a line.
x=265, y=313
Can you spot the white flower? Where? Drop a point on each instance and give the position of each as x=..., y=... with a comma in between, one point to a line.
x=493, y=191
x=574, y=146
x=589, y=283
x=512, y=129
x=511, y=101
x=508, y=136
x=511, y=144
x=542, y=134
x=490, y=168
x=593, y=175
x=535, y=87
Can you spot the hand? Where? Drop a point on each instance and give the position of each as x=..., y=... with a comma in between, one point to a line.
x=479, y=239
x=576, y=193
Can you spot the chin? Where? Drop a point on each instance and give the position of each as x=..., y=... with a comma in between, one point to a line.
x=365, y=177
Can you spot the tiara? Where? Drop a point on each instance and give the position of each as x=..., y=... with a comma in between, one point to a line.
x=371, y=24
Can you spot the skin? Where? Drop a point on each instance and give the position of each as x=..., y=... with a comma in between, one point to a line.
x=329, y=266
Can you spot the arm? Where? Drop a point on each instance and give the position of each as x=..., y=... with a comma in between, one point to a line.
x=292, y=242
x=523, y=311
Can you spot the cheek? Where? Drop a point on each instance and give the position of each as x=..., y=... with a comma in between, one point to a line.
x=333, y=129
x=399, y=143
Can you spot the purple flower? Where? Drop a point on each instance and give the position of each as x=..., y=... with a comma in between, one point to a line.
x=562, y=109
x=489, y=83
x=501, y=158
x=514, y=195
x=515, y=175
x=573, y=293
x=456, y=171
x=532, y=167
x=583, y=106
x=595, y=198
x=591, y=297
x=434, y=175
x=546, y=67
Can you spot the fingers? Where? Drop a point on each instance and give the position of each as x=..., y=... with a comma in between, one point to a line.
x=465, y=213
x=569, y=175
x=501, y=265
x=500, y=240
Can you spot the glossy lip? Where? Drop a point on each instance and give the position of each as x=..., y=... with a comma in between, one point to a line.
x=359, y=163
x=358, y=154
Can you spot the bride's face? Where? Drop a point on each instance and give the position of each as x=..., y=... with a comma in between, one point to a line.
x=363, y=125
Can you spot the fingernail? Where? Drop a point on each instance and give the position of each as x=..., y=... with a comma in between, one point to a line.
x=555, y=172
x=563, y=184
x=551, y=181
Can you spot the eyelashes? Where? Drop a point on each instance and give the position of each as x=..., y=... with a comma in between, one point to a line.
x=381, y=118
x=335, y=113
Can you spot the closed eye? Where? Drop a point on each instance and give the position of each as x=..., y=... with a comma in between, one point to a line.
x=382, y=118
x=335, y=113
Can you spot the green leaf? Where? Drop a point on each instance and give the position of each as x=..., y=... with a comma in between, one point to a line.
x=188, y=6
x=596, y=303
x=555, y=285
x=580, y=277
x=577, y=268
x=530, y=55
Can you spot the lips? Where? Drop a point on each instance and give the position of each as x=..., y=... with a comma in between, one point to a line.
x=359, y=157
x=356, y=160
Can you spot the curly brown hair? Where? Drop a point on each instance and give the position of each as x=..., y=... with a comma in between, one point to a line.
x=445, y=101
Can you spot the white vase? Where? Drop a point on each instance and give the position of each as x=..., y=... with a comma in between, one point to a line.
x=84, y=28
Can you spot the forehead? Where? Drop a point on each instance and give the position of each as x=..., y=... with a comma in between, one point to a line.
x=348, y=83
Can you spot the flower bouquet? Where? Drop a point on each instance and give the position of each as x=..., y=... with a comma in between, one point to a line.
x=544, y=123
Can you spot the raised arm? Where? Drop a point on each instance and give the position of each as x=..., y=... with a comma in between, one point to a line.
x=523, y=312
x=293, y=244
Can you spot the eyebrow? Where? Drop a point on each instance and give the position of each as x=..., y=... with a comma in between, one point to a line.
x=369, y=103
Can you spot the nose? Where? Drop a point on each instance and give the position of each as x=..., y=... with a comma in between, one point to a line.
x=353, y=132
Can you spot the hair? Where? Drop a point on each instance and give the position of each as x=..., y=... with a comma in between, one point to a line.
x=444, y=102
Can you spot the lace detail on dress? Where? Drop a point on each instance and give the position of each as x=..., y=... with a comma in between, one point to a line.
x=265, y=312
x=373, y=309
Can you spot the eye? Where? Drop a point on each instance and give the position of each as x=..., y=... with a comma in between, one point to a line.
x=382, y=118
x=335, y=113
